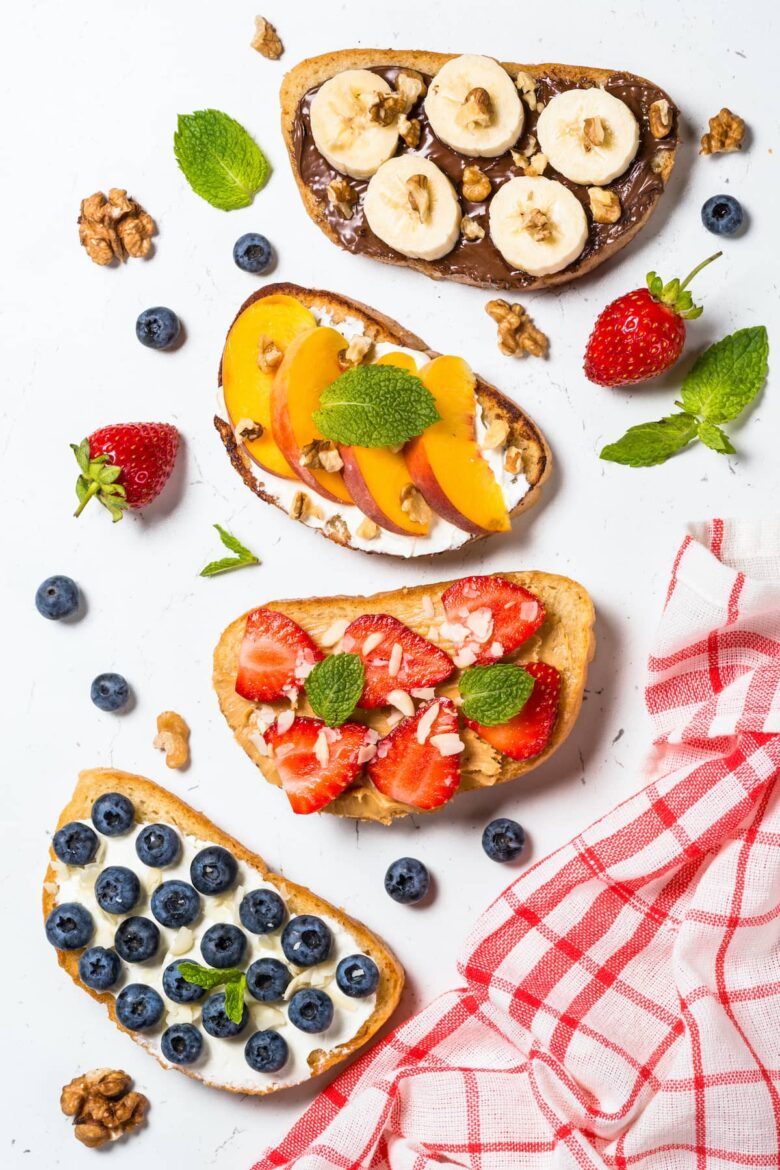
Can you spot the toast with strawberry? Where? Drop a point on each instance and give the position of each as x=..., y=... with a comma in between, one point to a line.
x=376, y=707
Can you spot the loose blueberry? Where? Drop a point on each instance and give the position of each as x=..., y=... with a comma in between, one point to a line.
x=503, y=839
x=175, y=904
x=99, y=968
x=252, y=252
x=112, y=814
x=357, y=975
x=109, y=692
x=407, y=880
x=69, y=927
x=139, y=1007
x=57, y=597
x=213, y=870
x=311, y=1010
x=177, y=988
x=181, y=1044
x=157, y=328
x=157, y=845
x=261, y=911
x=722, y=215
x=117, y=890
x=75, y=843
x=223, y=945
x=306, y=940
x=266, y=1051
x=267, y=980
x=215, y=1018
x=136, y=939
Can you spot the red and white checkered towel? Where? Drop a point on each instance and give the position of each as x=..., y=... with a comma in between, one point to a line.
x=621, y=1004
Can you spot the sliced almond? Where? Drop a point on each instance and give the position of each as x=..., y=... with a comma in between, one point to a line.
x=448, y=743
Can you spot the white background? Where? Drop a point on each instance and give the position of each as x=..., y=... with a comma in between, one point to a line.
x=90, y=96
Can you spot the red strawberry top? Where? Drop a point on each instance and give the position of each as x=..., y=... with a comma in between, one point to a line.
x=489, y=617
x=394, y=657
x=125, y=465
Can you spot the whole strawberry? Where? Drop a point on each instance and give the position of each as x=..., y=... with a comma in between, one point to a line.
x=641, y=334
x=125, y=465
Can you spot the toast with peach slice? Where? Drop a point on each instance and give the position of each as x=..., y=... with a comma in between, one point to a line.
x=461, y=479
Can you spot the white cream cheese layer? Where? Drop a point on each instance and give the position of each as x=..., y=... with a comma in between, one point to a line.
x=222, y=1060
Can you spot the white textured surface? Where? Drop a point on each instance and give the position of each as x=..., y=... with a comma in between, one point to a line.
x=90, y=97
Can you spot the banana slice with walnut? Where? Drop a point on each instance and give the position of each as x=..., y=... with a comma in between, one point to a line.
x=537, y=225
x=588, y=135
x=411, y=205
x=353, y=122
x=473, y=105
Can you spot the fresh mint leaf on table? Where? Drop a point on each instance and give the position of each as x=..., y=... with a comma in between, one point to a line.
x=334, y=687
x=495, y=694
x=233, y=980
x=722, y=382
x=243, y=556
x=375, y=406
x=219, y=159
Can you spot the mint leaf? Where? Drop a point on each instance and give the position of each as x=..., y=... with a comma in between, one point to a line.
x=716, y=439
x=334, y=687
x=375, y=406
x=234, y=998
x=226, y=564
x=494, y=694
x=219, y=159
x=653, y=442
x=208, y=977
x=727, y=376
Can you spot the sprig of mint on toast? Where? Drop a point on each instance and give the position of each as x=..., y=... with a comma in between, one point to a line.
x=375, y=406
x=495, y=694
x=241, y=558
x=219, y=159
x=334, y=687
x=721, y=384
x=233, y=980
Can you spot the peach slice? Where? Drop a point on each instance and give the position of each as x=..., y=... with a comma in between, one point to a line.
x=310, y=363
x=445, y=461
x=247, y=388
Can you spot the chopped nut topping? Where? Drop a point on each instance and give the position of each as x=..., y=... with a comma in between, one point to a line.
x=476, y=110
x=537, y=165
x=322, y=455
x=386, y=107
x=411, y=86
x=593, y=133
x=475, y=185
x=419, y=194
x=537, y=225
x=269, y=355
x=660, y=118
x=266, y=39
x=173, y=738
x=496, y=434
x=114, y=228
x=517, y=334
x=604, y=205
x=367, y=529
x=410, y=130
x=415, y=505
x=726, y=133
x=359, y=348
x=334, y=633
x=527, y=87
x=513, y=460
x=472, y=230
x=302, y=508
x=248, y=430
x=342, y=196
x=102, y=1106
x=336, y=528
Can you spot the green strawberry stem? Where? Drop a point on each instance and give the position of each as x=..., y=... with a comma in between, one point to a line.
x=675, y=295
x=92, y=490
x=698, y=269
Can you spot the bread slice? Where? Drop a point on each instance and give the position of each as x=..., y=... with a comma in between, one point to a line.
x=156, y=804
x=524, y=434
x=565, y=640
x=643, y=184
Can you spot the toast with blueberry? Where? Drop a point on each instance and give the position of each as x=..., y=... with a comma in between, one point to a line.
x=207, y=959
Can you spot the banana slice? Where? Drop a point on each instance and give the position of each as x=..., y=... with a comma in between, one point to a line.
x=411, y=205
x=473, y=105
x=346, y=120
x=537, y=225
x=588, y=135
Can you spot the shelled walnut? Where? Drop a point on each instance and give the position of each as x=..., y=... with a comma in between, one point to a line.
x=660, y=118
x=604, y=205
x=103, y=1106
x=342, y=196
x=114, y=228
x=517, y=334
x=476, y=185
x=266, y=39
x=726, y=132
x=321, y=455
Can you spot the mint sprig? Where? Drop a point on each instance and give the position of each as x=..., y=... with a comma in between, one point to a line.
x=219, y=159
x=334, y=687
x=98, y=478
x=226, y=564
x=494, y=694
x=721, y=384
x=233, y=980
x=375, y=406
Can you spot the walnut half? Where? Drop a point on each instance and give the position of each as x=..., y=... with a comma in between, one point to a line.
x=476, y=185
x=604, y=205
x=726, y=133
x=103, y=1106
x=266, y=39
x=114, y=228
x=517, y=334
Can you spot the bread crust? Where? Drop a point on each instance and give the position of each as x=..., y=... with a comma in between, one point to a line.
x=565, y=640
x=153, y=804
x=314, y=71
x=537, y=454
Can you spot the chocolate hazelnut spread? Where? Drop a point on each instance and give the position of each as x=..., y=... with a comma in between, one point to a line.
x=478, y=261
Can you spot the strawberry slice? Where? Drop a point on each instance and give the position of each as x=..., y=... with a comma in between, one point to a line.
x=316, y=762
x=394, y=657
x=276, y=656
x=489, y=617
x=528, y=733
x=418, y=763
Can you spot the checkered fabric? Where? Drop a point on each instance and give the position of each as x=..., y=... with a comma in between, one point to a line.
x=621, y=1005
